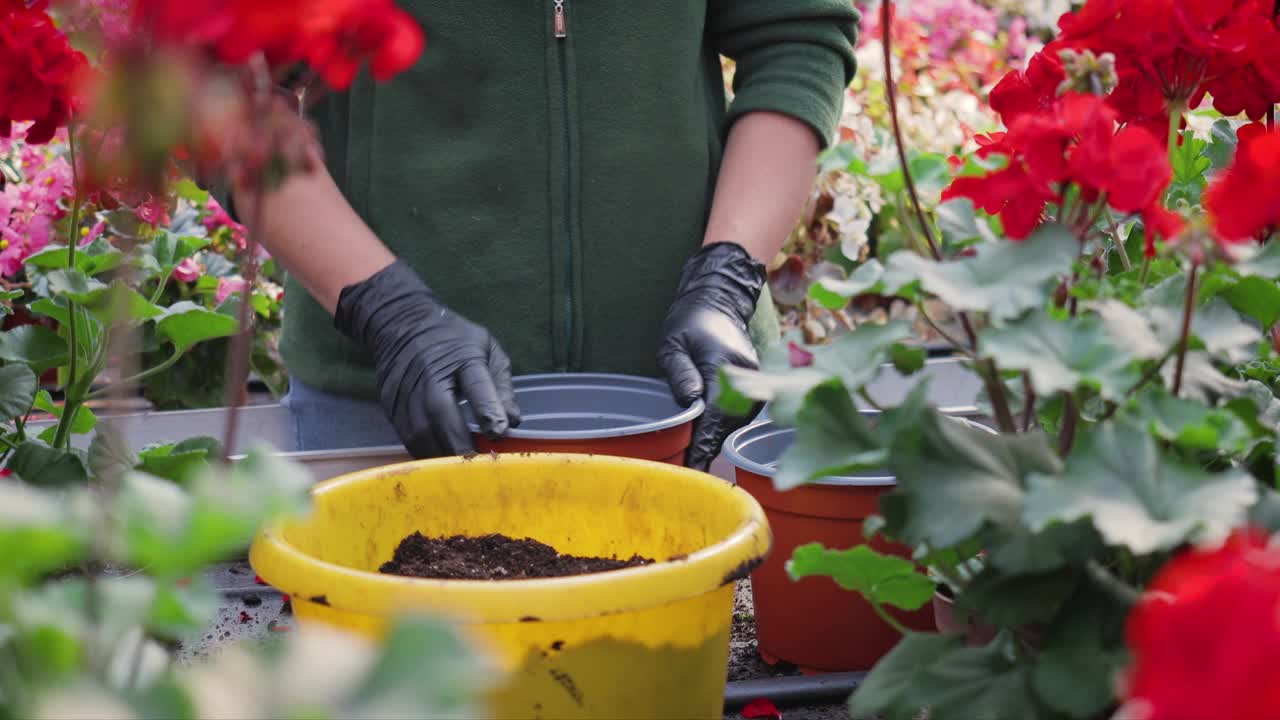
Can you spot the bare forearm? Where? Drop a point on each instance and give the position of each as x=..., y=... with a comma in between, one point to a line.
x=311, y=230
x=769, y=165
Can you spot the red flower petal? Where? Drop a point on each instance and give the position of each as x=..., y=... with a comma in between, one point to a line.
x=798, y=356
x=761, y=708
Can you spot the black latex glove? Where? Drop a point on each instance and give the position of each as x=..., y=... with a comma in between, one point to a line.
x=705, y=329
x=428, y=358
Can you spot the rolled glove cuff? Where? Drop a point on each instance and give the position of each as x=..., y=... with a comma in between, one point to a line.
x=366, y=307
x=725, y=276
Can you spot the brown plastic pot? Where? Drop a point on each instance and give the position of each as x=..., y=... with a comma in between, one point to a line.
x=598, y=414
x=813, y=623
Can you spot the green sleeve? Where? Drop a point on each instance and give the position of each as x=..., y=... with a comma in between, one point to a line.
x=793, y=57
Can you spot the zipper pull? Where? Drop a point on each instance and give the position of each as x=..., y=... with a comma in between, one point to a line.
x=561, y=26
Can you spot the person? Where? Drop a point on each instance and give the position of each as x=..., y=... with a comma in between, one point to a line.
x=556, y=186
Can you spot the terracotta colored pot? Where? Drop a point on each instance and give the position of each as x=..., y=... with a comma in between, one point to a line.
x=813, y=623
x=953, y=620
x=599, y=414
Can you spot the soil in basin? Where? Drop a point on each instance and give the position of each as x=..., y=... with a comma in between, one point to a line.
x=492, y=557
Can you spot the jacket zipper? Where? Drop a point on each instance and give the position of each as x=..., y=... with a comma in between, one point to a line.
x=560, y=30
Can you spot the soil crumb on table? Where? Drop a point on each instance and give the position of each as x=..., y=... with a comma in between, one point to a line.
x=492, y=557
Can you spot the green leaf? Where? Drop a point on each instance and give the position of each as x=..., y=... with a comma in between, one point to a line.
x=881, y=579
x=95, y=258
x=39, y=464
x=855, y=359
x=1256, y=297
x=186, y=324
x=870, y=277
x=73, y=284
x=832, y=439
x=1136, y=498
x=889, y=690
x=178, y=462
x=118, y=303
x=1129, y=329
x=189, y=191
x=1222, y=144
x=109, y=454
x=968, y=683
x=1191, y=424
x=1062, y=355
x=1201, y=380
x=957, y=477
x=33, y=345
x=1018, y=550
x=1190, y=162
x=908, y=360
x=168, y=249
x=1261, y=261
x=1003, y=279
x=960, y=225
x=38, y=532
x=1082, y=655
x=1013, y=601
x=17, y=391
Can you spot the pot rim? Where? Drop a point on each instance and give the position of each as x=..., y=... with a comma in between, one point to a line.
x=609, y=382
x=766, y=429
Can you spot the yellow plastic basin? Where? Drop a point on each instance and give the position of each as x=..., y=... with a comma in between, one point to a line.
x=649, y=642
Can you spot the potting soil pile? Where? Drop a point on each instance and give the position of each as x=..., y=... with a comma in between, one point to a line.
x=492, y=557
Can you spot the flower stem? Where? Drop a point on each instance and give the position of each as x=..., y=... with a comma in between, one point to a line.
x=1146, y=271
x=1118, y=241
x=71, y=406
x=1175, y=125
x=1187, y=309
x=889, y=619
x=145, y=374
x=1070, y=418
x=1029, y=404
x=996, y=392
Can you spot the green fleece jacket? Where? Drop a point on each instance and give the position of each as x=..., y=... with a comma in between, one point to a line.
x=551, y=188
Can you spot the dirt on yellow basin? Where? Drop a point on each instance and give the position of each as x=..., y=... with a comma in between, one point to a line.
x=645, y=642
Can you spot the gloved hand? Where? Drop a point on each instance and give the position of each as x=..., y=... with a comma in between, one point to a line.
x=428, y=358
x=705, y=329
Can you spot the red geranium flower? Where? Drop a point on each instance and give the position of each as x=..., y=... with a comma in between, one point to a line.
x=1072, y=143
x=1244, y=201
x=1206, y=638
x=336, y=37
x=1028, y=91
x=39, y=71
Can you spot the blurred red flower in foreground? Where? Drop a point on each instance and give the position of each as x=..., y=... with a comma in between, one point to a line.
x=1244, y=201
x=38, y=71
x=1206, y=638
x=1072, y=141
x=335, y=37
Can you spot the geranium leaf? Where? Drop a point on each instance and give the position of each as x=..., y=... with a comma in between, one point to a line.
x=1062, y=355
x=957, y=476
x=1012, y=601
x=1201, y=380
x=1261, y=261
x=1256, y=297
x=870, y=277
x=889, y=689
x=855, y=359
x=186, y=324
x=832, y=438
x=1076, y=669
x=1003, y=279
x=33, y=345
x=37, y=531
x=1222, y=145
x=17, y=391
x=881, y=579
x=960, y=225
x=1128, y=328
x=39, y=464
x=970, y=682
x=118, y=302
x=1136, y=498
x=1189, y=423
x=84, y=422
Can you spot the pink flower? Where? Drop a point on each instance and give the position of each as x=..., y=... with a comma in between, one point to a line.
x=1018, y=38
x=188, y=270
x=217, y=218
x=94, y=233
x=153, y=212
x=227, y=287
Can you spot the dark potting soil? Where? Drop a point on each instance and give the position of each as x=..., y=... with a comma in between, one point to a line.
x=492, y=557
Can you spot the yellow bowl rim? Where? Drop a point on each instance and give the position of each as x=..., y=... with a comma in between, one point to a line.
x=304, y=577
